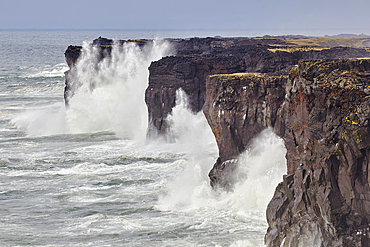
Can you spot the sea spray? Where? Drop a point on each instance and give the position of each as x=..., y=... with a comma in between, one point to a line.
x=192, y=133
x=108, y=94
x=260, y=169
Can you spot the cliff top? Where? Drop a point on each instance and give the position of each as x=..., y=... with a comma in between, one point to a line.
x=243, y=76
x=352, y=74
x=331, y=42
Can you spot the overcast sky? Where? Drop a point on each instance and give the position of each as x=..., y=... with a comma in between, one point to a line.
x=346, y=15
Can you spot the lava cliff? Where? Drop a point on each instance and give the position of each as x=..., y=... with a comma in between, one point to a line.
x=196, y=58
x=238, y=108
x=190, y=71
x=322, y=111
x=320, y=108
x=325, y=198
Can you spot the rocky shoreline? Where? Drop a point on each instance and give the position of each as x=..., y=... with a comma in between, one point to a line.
x=313, y=92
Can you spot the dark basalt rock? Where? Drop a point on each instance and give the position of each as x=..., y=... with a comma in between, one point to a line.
x=233, y=139
x=322, y=111
x=197, y=58
x=191, y=71
x=326, y=196
x=238, y=108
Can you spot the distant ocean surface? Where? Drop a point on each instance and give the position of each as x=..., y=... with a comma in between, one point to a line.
x=86, y=176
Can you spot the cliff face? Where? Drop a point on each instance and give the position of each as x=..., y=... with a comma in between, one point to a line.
x=322, y=111
x=238, y=108
x=197, y=58
x=326, y=195
x=190, y=69
x=270, y=59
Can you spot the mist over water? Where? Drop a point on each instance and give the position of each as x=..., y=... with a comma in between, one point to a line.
x=83, y=176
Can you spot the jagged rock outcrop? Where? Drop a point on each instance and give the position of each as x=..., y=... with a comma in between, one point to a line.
x=274, y=60
x=197, y=58
x=238, y=108
x=190, y=71
x=325, y=198
x=321, y=109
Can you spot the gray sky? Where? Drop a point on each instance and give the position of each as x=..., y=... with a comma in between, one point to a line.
x=350, y=15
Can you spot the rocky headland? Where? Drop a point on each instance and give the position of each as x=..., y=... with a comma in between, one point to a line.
x=313, y=92
x=321, y=110
x=190, y=68
x=195, y=59
x=325, y=196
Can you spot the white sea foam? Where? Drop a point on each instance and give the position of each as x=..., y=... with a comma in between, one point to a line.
x=245, y=243
x=48, y=71
x=42, y=121
x=260, y=169
x=108, y=95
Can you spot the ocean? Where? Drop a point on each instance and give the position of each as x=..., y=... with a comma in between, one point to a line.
x=87, y=175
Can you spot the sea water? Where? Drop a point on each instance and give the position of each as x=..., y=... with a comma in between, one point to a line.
x=87, y=176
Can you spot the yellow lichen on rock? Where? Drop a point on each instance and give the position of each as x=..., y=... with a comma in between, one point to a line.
x=291, y=49
x=330, y=42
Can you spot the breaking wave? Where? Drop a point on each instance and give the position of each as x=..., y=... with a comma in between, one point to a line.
x=47, y=71
x=109, y=95
x=260, y=168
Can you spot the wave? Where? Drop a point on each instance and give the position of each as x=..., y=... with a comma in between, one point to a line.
x=260, y=168
x=47, y=71
x=115, y=103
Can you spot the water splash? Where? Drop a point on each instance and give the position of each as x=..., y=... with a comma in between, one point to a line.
x=47, y=71
x=190, y=129
x=260, y=168
x=189, y=193
x=108, y=94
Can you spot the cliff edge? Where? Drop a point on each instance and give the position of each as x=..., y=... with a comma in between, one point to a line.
x=195, y=59
x=322, y=111
x=238, y=108
x=325, y=198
